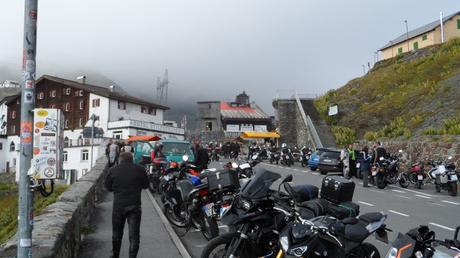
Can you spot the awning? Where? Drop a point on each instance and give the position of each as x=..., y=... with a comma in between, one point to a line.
x=146, y=138
x=258, y=135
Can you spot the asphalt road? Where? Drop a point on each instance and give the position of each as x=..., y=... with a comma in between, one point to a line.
x=406, y=208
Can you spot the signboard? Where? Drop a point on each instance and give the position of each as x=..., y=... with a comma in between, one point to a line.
x=246, y=128
x=233, y=128
x=333, y=110
x=48, y=144
x=260, y=128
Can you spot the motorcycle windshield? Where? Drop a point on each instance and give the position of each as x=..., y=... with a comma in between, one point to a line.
x=259, y=186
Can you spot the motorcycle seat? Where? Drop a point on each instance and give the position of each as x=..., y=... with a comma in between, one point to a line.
x=371, y=217
x=355, y=232
x=305, y=192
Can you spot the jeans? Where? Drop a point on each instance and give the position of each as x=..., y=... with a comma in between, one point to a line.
x=132, y=214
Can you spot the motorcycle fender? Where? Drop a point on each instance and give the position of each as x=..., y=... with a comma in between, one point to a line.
x=403, y=246
x=381, y=235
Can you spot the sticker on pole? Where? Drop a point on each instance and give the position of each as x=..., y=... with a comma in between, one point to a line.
x=25, y=242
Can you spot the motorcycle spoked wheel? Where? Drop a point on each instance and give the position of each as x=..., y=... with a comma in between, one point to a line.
x=381, y=181
x=221, y=246
x=173, y=214
x=404, y=180
x=365, y=250
x=418, y=184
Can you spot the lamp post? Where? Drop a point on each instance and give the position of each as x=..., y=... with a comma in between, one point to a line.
x=407, y=35
x=93, y=119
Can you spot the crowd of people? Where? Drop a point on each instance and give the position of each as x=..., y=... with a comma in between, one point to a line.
x=114, y=148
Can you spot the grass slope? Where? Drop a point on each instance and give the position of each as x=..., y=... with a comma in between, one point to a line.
x=412, y=94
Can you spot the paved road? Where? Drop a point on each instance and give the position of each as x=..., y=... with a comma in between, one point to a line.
x=407, y=208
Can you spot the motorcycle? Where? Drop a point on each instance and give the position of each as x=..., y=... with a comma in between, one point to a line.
x=305, y=158
x=286, y=158
x=387, y=172
x=418, y=176
x=421, y=243
x=274, y=157
x=444, y=176
x=328, y=237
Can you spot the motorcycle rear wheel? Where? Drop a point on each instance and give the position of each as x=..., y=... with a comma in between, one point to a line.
x=438, y=187
x=453, y=189
x=381, y=182
x=173, y=218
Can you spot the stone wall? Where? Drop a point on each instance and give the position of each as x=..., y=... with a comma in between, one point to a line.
x=59, y=230
x=287, y=121
x=417, y=150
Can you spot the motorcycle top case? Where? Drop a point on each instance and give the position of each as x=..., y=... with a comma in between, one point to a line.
x=337, y=189
x=223, y=180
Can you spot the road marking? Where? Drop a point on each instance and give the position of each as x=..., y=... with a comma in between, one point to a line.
x=398, y=191
x=315, y=173
x=449, y=202
x=413, y=191
x=437, y=204
x=405, y=197
x=366, y=203
x=441, y=226
x=423, y=196
x=375, y=191
x=399, y=213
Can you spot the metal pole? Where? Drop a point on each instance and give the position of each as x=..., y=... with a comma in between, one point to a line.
x=407, y=36
x=25, y=201
x=442, y=27
x=93, y=118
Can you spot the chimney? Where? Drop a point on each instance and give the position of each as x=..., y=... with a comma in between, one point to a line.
x=112, y=88
x=82, y=78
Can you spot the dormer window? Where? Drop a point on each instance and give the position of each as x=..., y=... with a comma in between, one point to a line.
x=153, y=111
x=68, y=91
x=53, y=93
x=144, y=110
x=41, y=95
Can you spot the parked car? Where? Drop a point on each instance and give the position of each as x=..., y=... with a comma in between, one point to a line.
x=175, y=149
x=329, y=161
x=314, y=158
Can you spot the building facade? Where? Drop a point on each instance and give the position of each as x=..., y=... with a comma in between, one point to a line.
x=120, y=116
x=425, y=36
x=221, y=120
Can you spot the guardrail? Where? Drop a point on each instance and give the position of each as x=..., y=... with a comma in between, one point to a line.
x=309, y=123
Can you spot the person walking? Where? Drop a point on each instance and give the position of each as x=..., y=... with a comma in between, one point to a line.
x=201, y=156
x=344, y=157
x=352, y=162
x=126, y=181
x=114, y=151
x=365, y=165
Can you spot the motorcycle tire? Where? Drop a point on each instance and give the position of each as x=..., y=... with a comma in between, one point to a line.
x=404, y=181
x=209, y=227
x=438, y=187
x=381, y=182
x=413, y=178
x=313, y=168
x=271, y=161
x=223, y=241
x=366, y=250
x=322, y=172
x=173, y=218
x=453, y=189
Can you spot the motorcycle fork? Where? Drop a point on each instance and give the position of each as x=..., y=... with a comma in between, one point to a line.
x=236, y=246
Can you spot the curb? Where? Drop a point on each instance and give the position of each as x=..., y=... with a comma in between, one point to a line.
x=176, y=240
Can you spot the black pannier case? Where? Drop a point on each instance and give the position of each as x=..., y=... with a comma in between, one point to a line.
x=223, y=180
x=337, y=189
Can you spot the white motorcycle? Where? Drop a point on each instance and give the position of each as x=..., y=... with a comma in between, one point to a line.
x=444, y=176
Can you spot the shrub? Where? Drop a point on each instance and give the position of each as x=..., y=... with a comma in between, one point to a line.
x=430, y=131
x=344, y=135
x=371, y=136
x=451, y=126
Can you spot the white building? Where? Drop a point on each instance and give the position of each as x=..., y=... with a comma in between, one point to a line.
x=9, y=84
x=120, y=116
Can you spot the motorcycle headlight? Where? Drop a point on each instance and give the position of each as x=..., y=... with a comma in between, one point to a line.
x=284, y=241
x=246, y=205
x=299, y=251
x=392, y=253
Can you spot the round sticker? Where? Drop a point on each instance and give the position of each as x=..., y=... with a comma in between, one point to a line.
x=51, y=162
x=42, y=113
x=36, y=151
x=40, y=124
x=48, y=172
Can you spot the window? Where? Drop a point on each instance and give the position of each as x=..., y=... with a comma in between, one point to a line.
x=84, y=155
x=41, y=95
x=82, y=104
x=12, y=146
x=68, y=91
x=1, y=146
x=80, y=93
x=66, y=124
x=96, y=102
x=13, y=129
x=118, y=134
x=415, y=45
x=13, y=114
x=208, y=126
x=66, y=142
x=67, y=107
x=121, y=105
x=153, y=111
x=53, y=93
x=458, y=24
x=65, y=156
x=425, y=37
x=144, y=110
x=209, y=106
x=400, y=50
x=14, y=161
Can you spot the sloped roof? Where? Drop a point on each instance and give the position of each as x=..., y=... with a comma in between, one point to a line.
x=101, y=91
x=418, y=31
x=8, y=99
x=227, y=111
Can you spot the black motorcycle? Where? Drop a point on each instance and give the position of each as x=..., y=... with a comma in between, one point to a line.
x=305, y=158
x=421, y=242
x=387, y=172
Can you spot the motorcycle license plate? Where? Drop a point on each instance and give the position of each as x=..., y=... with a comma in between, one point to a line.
x=420, y=177
x=374, y=173
x=208, y=209
x=224, y=209
x=453, y=178
x=327, y=160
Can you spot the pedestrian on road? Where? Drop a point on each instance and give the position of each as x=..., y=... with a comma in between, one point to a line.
x=126, y=181
x=201, y=156
x=365, y=165
x=352, y=160
x=114, y=152
x=344, y=157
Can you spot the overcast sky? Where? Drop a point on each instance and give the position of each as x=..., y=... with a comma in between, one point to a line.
x=213, y=49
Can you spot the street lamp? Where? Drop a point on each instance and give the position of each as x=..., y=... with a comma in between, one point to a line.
x=407, y=35
x=93, y=119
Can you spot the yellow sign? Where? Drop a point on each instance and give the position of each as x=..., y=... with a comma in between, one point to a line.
x=42, y=113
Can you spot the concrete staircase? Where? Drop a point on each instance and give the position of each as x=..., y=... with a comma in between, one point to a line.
x=322, y=128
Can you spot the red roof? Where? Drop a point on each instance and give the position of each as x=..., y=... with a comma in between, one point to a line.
x=226, y=106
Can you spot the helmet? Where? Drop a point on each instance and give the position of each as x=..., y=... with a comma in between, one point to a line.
x=284, y=145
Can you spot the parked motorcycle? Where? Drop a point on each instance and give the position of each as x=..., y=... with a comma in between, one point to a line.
x=305, y=158
x=445, y=176
x=421, y=242
x=387, y=172
x=274, y=157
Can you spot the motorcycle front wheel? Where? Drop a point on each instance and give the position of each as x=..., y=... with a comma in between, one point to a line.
x=173, y=214
x=381, y=182
x=222, y=246
x=404, y=181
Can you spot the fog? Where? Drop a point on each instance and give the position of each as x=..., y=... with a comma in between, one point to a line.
x=212, y=49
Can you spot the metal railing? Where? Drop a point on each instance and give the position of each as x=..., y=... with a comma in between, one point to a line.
x=309, y=123
x=145, y=125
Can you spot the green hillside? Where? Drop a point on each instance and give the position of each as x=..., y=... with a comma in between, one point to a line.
x=411, y=95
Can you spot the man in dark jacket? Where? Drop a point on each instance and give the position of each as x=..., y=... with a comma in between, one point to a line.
x=201, y=156
x=126, y=181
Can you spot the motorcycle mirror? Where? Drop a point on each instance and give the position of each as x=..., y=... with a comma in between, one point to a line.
x=234, y=165
x=185, y=158
x=287, y=179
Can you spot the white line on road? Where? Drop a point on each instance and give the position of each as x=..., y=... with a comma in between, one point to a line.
x=441, y=226
x=375, y=191
x=405, y=197
x=399, y=213
x=223, y=226
x=398, y=191
x=413, y=191
x=315, y=173
x=437, y=204
x=423, y=196
x=449, y=202
x=366, y=203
